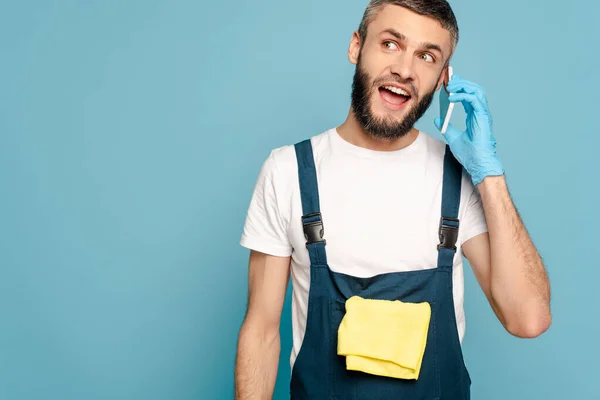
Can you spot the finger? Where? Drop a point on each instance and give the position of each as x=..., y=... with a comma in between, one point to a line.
x=468, y=99
x=451, y=132
x=456, y=78
x=463, y=86
x=458, y=84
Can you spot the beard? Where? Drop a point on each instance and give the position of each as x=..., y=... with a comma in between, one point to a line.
x=387, y=128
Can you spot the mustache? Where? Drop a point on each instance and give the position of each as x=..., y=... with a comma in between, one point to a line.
x=393, y=78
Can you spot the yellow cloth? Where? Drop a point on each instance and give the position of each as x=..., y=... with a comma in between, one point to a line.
x=383, y=337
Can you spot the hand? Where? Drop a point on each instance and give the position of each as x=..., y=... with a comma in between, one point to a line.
x=475, y=148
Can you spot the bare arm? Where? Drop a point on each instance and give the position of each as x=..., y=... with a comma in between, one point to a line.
x=508, y=266
x=258, y=343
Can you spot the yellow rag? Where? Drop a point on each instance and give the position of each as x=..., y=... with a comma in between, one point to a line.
x=384, y=337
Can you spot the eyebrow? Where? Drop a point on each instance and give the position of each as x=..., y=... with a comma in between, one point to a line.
x=424, y=45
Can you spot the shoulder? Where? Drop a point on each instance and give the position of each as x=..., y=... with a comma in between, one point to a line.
x=436, y=149
x=283, y=159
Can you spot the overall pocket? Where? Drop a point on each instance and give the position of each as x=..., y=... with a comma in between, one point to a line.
x=384, y=337
x=359, y=384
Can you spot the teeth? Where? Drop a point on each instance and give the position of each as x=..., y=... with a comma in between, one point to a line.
x=397, y=90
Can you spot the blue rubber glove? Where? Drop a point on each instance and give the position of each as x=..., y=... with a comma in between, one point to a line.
x=475, y=148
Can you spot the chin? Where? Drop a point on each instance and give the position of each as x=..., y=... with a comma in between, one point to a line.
x=388, y=115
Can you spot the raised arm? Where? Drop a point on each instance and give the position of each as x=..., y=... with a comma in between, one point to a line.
x=505, y=261
x=508, y=266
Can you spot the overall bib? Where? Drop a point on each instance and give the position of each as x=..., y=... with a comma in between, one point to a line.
x=319, y=373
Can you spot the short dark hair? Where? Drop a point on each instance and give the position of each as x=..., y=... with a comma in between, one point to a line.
x=439, y=10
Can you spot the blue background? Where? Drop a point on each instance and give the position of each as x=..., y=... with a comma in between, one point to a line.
x=131, y=136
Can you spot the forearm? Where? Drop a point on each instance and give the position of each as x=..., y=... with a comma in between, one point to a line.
x=518, y=281
x=256, y=363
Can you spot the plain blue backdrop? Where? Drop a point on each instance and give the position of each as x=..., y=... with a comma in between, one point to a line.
x=131, y=136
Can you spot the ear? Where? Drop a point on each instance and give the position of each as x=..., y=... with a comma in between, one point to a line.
x=354, y=48
x=443, y=78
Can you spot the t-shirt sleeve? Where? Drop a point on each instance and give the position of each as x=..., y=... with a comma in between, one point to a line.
x=264, y=229
x=473, y=222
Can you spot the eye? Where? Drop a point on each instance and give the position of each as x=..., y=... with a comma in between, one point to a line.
x=389, y=45
x=427, y=57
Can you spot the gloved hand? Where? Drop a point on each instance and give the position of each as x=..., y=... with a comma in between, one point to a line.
x=475, y=148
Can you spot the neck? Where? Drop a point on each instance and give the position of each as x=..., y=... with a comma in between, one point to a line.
x=353, y=133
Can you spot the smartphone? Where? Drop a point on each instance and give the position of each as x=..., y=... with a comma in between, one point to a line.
x=446, y=106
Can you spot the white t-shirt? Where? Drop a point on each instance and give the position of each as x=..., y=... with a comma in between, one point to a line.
x=380, y=210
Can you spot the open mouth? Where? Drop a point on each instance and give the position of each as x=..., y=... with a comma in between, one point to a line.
x=394, y=96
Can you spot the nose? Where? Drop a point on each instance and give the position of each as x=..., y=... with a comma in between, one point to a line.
x=403, y=66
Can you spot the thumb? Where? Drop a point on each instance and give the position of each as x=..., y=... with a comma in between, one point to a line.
x=451, y=132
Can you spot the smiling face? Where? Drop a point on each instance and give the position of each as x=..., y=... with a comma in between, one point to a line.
x=399, y=66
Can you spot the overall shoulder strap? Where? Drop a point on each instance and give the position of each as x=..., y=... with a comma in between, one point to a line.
x=449, y=223
x=312, y=221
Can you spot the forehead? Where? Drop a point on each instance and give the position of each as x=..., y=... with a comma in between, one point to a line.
x=417, y=28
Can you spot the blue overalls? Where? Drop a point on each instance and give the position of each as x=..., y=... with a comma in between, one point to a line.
x=318, y=372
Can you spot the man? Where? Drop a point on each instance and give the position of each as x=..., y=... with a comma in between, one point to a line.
x=356, y=211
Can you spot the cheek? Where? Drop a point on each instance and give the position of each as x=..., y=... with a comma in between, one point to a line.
x=427, y=81
x=382, y=66
x=374, y=64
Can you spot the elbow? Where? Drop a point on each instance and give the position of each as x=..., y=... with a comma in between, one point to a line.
x=530, y=326
x=258, y=331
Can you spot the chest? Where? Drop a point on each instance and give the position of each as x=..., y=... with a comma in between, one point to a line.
x=376, y=219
